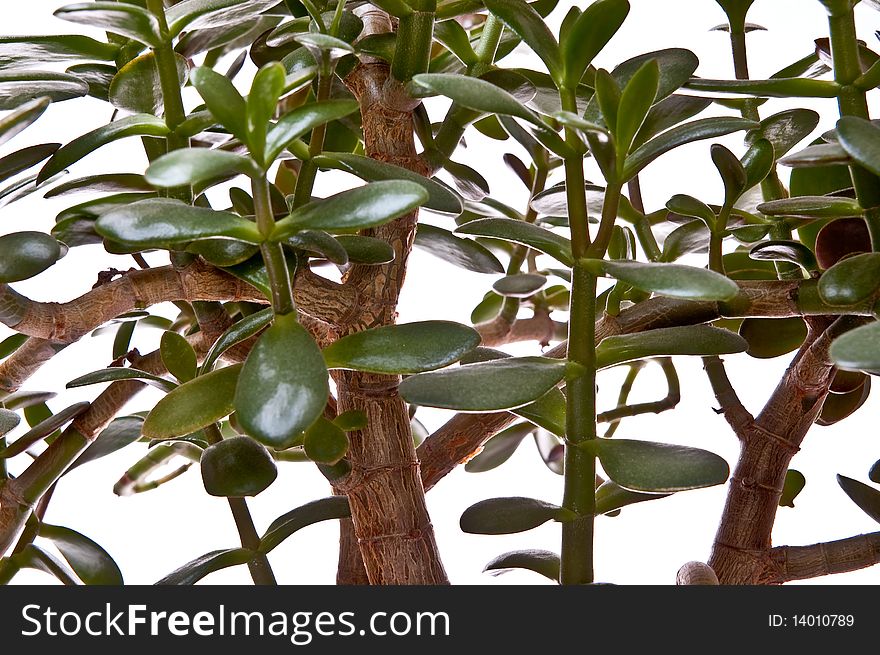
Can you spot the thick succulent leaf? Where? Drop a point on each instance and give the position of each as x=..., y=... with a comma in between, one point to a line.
x=193, y=571
x=794, y=87
x=793, y=485
x=325, y=509
x=120, y=433
x=136, y=125
x=91, y=563
x=509, y=515
x=137, y=86
x=861, y=139
x=486, y=386
x=685, y=340
x=523, y=233
x=528, y=24
x=237, y=467
x=464, y=253
x=26, y=254
x=116, y=373
x=302, y=120
x=21, y=87
x=43, y=428
x=266, y=89
x=674, y=280
x=635, y=101
x=236, y=333
x=542, y=562
x=785, y=251
x=499, y=448
x=851, y=280
x=610, y=497
x=547, y=412
x=23, y=116
x=858, y=349
x=283, y=387
x=203, y=14
x=519, y=285
x=403, y=349
x=733, y=175
x=120, y=18
x=812, y=207
x=222, y=99
x=772, y=337
x=29, y=51
x=588, y=35
x=684, y=205
x=194, y=405
x=366, y=250
x=473, y=93
x=867, y=498
x=658, y=467
x=192, y=166
x=23, y=159
x=102, y=183
x=785, y=129
x=178, y=356
x=838, y=406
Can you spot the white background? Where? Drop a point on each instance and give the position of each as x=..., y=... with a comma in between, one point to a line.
x=153, y=533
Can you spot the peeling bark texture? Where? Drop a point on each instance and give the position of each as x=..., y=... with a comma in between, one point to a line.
x=384, y=486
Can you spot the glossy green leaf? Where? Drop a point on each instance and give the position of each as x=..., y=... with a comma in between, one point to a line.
x=588, y=35
x=203, y=14
x=194, y=405
x=23, y=116
x=136, y=125
x=851, y=280
x=822, y=155
x=34, y=557
x=524, y=233
x=785, y=129
x=684, y=205
x=758, y=162
x=222, y=99
x=658, y=467
x=509, y=515
x=772, y=337
x=325, y=509
x=120, y=433
x=236, y=467
x=366, y=206
x=325, y=442
x=440, y=197
x=499, y=448
x=236, y=333
x=547, y=412
x=520, y=285
x=685, y=340
x=786, y=251
x=317, y=242
x=323, y=45
x=26, y=254
x=794, y=87
x=193, y=571
x=118, y=17
x=91, y=563
x=43, y=428
x=610, y=497
x=253, y=271
x=464, y=253
x=102, y=183
x=635, y=101
x=812, y=207
x=542, y=562
x=32, y=51
x=698, y=130
x=403, y=349
x=669, y=112
x=487, y=386
x=861, y=139
x=178, y=356
x=223, y=252
x=793, y=485
x=519, y=16
x=21, y=87
x=677, y=65
x=607, y=96
x=283, y=387
x=858, y=349
x=473, y=93
x=674, y=280
x=165, y=223
x=302, y=120
x=23, y=159
x=733, y=175
x=266, y=89
x=137, y=86
x=867, y=498
x=25, y=399
x=191, y=166
x=838, y=406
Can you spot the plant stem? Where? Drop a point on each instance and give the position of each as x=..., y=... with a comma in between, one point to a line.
x=305, y=182
x=414, y=39
x=489, y=39
x=273, y=253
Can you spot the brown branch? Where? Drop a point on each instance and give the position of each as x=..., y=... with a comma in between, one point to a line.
x=789, y=563
x=540, y=328
x=739, y=418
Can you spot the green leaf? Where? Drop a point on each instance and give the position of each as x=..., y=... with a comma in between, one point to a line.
x=464, y=253
x=786, y=251
x=102, y=183
x=236, y=333
x=203, y=14
x=522, y=18
x=193, y=571
x=237, y=467
x=486, y=386
x=473, y=93
x=607, y=95
x=733, y=175
x=31, y=51
x=867, y=498
x=520, y=285
x=367, y=206
x=499, y=448
x=670, y=112
x=858, y=349
x=685, y=340
x=610, y=497
x=812, y=207
x=283, y=387
x=509, y=515
x=758, y=162
x=34, y=557
x=26, y=254
x=42, y=428
x=772, y=337
x=20, y=87
x=659, y=467
x=838, y=406
x=689, y=206
x=793, y=485
x=165, y=223
x=542, y=562
x=116, y=373
x=191, y=166
x=118, y=17
x=403, y=349
x=816, y=156
x=524, y=233
x=588, y=35
x=325, y=509
x=547, y=412
x=23, y=159
x=320, y=243
x=136, y=125
x=861, y=139
x=736, y=11
x=178, y=356
x=222, y=99
x=23, y=116
x=851, y=280
x=780, y=87
x=635, y=101
x=194, y=405
x=137, y=86
x=440, y=197
x=698, y=130
x=91, y=563
x=785, y=129
x=673, y=280
x=366, y=250
x=267, y=87
x=120, y=433
x=677, y=65
x=325, y=442
x=302, y=120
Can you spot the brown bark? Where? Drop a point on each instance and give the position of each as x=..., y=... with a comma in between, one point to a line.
x=789, y=563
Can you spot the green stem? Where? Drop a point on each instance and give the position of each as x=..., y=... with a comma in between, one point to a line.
x=606, y=224
x=415, y=33
x=273, y=253
x=305, y=182
x=490, y=37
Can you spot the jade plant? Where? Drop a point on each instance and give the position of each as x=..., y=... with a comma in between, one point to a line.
x=287, y=349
